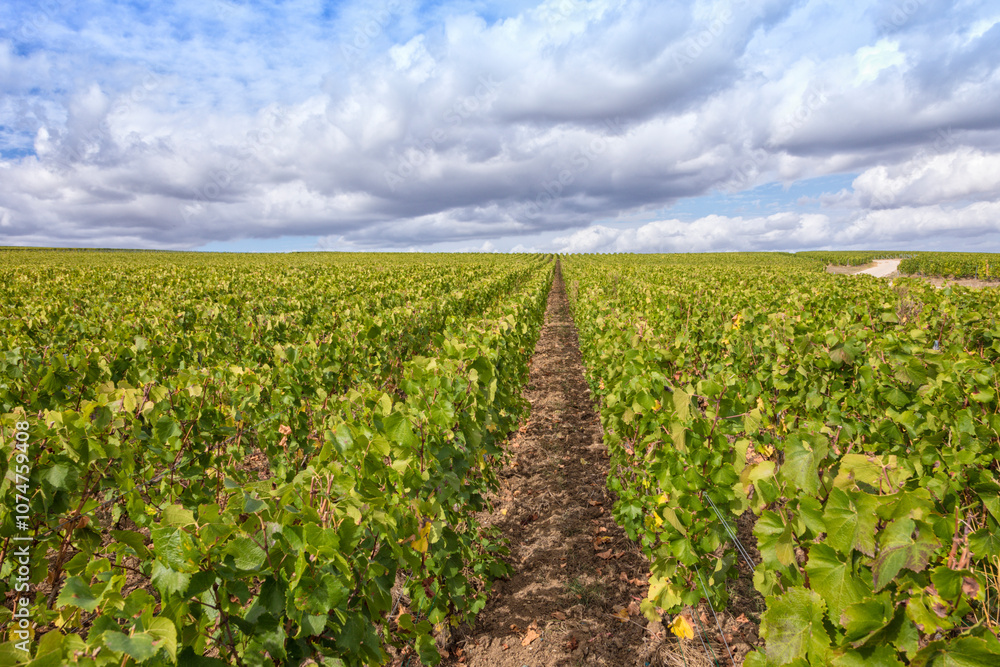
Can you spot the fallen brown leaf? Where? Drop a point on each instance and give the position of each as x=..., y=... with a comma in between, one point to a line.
x=529, y=637
x=558, y=614
x=528, y=519
x=605, y=554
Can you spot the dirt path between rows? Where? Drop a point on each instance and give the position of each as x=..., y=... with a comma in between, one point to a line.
x=883, y=268
x=574, y=568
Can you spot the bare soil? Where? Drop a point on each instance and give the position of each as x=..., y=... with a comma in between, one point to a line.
x=577, y=582
x=573, y=565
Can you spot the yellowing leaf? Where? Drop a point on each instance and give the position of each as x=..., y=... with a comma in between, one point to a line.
x=681, y=627
x=420, y=542
x=622, y=615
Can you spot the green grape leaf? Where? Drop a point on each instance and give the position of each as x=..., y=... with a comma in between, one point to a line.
x=682, y=404
x=76, y=593
x=964, y=652
x=801, y=468
x=134, y=540
x=900, y=550
x=168, y=580
x=176, y=515
x=166, y=428
x=247, y=553
x=834, y=579
x=880, y=656
x=139, y=646
x=164, y=634
x=851, y=520
x=792, y=625
x=864, y=619
x=774, y=539
x=397, y=428
x=985, y=543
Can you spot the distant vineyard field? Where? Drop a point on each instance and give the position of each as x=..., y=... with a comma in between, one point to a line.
x=981, y=266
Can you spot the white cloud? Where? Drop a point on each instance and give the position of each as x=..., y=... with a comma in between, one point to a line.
x=931, y=227
x=707, y=234
x=872, y=60
x=960, y=174
x=981, y=27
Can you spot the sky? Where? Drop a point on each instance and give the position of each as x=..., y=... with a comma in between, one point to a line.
x=465, y=125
